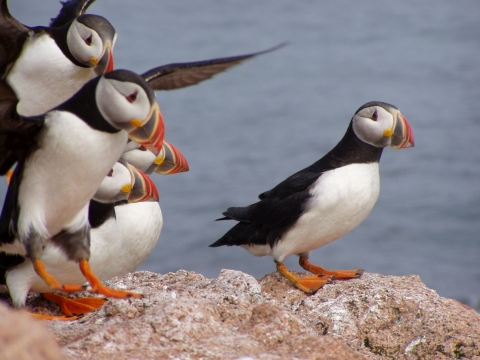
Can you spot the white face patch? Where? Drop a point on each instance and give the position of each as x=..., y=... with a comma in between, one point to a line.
x=121, y=102
x=370, y=124
x=110, y=189
x=84, y=43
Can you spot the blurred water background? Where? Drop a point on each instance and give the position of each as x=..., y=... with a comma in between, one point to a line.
x=246, y=130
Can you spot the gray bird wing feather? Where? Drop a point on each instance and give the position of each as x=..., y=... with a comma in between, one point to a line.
x=179, y=75
x=70, y=10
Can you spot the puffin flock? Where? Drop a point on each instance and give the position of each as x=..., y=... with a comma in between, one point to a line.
x=79, y=139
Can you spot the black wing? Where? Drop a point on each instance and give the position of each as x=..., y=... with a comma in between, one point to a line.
x=11, y=210
x=264, y=222
x=300, y=181
x=179, y=75
x=70, y=10
x=12, y=36
x=8, y=261
x=17, y=133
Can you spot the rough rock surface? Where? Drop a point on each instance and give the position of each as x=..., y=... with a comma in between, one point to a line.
x=384, y=317
x=22, y=337
x=187, y=316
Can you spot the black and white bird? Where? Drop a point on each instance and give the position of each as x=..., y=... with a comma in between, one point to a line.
x=62, y=158
x=47, y=65
x=114, y=249
x=324, y=201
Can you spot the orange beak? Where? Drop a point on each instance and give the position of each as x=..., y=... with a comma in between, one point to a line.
x=144, y=188
x=150, y=132
x=170, y=160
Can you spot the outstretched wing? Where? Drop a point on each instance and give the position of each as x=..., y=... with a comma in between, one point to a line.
x=12, y=36
x=70, y=10
x=179, y=75
x=17, y=133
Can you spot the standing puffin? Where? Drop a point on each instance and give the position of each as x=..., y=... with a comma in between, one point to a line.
x=62, y=158
x=324, y=201
x=47, y=65
x=123, y=186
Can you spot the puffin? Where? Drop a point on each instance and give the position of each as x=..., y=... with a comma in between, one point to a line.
x=62, y=158
x=45, y=66
x=123, y=186
x=322, y=202
x=170, y=160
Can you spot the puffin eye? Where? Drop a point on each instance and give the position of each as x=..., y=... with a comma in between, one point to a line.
x=374, y=116
x=132, y=97
x=88, y=40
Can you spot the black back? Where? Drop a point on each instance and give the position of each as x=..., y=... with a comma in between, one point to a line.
x=266, y=221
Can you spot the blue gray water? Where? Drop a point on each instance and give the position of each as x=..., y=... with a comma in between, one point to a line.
x=249, y=128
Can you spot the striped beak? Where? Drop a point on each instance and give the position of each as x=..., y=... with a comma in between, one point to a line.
x=170, y=160
x=150, y=132
x=143, y=189
x=106, y=63
x=402, y=136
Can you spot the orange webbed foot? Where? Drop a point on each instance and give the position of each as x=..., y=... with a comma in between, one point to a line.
x=338, y=274
x=99, y=288
x=50, y=317
x=72, y=307
x=309, y=284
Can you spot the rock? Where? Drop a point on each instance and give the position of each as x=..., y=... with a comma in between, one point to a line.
x=187, y=316
x=22, y=337
x=384, y=316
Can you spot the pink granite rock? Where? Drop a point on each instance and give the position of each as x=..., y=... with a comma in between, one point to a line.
x=24, y=338
x=187, y=316
x=384, y=316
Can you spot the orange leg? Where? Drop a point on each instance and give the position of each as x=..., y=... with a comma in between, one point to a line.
x=72, y=307
x=309, y=284
x=51, y=281
x=338, y=274
x=99, y=288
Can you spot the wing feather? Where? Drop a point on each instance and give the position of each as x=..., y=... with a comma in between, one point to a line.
x=17, y=133
x=12, y=36
x=70, y=10
x=179, y=75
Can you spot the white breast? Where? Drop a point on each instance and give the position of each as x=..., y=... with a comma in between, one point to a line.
x=140, y=225
x=341, y=200
x=23, y=278
x=117, y=248
x=60, y=178
x=43, y=77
